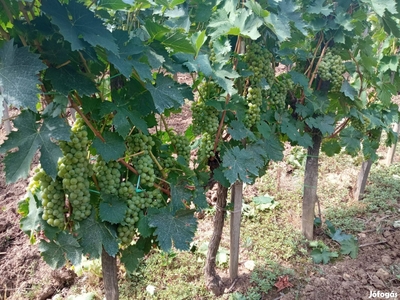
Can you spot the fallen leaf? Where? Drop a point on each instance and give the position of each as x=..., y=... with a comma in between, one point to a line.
x=282, y=283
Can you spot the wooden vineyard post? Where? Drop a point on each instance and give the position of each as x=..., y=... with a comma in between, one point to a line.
x=110, y=276
x=392, y=149
x=236, y=215
x=362, y=179
x=310, y=187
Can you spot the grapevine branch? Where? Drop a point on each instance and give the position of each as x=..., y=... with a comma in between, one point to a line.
x=79, y=111
x=221, y=123
x=339, y=128
x=314, y=74
x=122, y=161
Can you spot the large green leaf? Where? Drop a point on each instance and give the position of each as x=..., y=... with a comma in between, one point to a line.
x=112, y=149
x=112, y=209
x=130, y=257
x=78, y=24
x=173, y=229
x=18, y=75
x=65, y=248
x=165, y=94
x=31, y=222
x=30, y=137
x=94, y=235
x=124, y=115
x=67, y=79
x=379, y=6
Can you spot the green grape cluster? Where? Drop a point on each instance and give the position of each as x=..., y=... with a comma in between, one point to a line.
x=276, y=95
x=74, y=168
x=213, y=57
x=181, y=145
x=331, y=69
x=254, y=101
x=359, y=125
x=52, y=195
x=259, y=60
x=108, y=175
x=143, y=162
x=53, y=202
x=136, y=202
x=205, y=118
x=206, y=148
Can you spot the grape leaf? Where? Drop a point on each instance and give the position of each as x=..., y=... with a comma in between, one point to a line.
x=177, y=42
x=67, y=79
x=32, y=221
x=319, y=8
x=379, y=6
x=75, y=21
x=143, y=226
x=173, y=229
x=239, y=165
x=348, y=90
x=18, y=75
x=323, y=256
x=112, y=149
x=325, y=123
x=94, y=235
x=30, y=137
x=164, y=96
x=112, y=209
x=350, y=246
x=57, y=252
x=130, y=257
x=256, y=8
x=199, y=198
x=339, y=236
x=179, y=196
x=123, y=113
x=331, y=147
x=112, y=4
x=350, y=139
x=238, y=131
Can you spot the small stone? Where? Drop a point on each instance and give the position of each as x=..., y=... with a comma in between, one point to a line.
x=376, y=282
x=249, y=265
x=382, y=274
x=309, y=288
x=346, y=277
x=386, y=233
x=362, y=235
x=386, y=260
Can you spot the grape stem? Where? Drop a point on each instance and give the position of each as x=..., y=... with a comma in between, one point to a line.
x=157, y=164
x=79, y=111
x=314, y=74
x=165, y=191
x=96, y=183
x=221, y=123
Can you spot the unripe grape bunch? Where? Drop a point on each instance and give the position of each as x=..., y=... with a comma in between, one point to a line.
x=331, y=69
x=75, y=169
x=259, y=60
